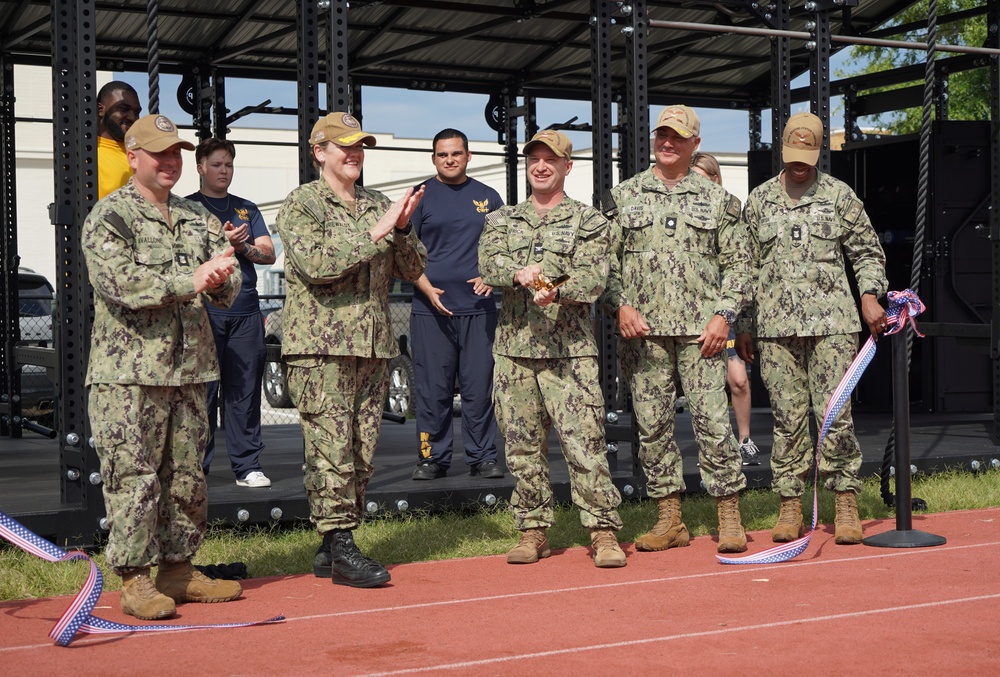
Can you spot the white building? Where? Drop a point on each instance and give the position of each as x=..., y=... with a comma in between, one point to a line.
x=264, y=173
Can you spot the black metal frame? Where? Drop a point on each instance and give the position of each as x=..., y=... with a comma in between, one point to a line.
x=74, y=67
x=10, y=404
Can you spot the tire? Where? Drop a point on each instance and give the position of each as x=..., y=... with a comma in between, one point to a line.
x=401, y=396
x=276, y=385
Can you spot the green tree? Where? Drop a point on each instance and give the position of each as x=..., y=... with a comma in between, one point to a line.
x=968, y=91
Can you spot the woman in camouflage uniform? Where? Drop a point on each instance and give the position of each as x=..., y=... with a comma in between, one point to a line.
x=343, y=245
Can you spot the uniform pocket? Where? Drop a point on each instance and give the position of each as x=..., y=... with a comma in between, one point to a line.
x=825, y=242
x=305, y=384
x=699, y=235
x=637, y=234
x=153, y=255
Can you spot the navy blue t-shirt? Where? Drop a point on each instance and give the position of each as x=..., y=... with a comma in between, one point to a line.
x=238, y=211
x=449, y=221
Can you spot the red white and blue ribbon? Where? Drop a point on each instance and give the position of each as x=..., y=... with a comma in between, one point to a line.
x=903, y=307
x=77, y=617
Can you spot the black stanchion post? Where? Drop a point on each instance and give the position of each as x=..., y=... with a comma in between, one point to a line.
x=903, y=536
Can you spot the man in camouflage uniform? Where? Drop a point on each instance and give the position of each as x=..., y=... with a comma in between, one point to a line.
x=802, y=224
x=343, y=245
x=546, y=356
x=154, y=259
x=677, y=236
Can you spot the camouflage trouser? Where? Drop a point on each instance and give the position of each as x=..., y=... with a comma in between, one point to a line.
x=150, y=440
x=650, y=364
x=794, y=370
x=529, y=395
x=340, y=401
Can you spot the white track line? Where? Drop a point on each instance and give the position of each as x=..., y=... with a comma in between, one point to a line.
x=686, y=635
x=724, y=570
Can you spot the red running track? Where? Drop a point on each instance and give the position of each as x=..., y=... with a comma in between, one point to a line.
x=835, y=610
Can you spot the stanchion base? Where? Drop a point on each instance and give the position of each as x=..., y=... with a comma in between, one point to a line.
x=904, y=539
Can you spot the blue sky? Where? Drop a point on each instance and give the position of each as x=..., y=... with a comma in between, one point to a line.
x=421, y=114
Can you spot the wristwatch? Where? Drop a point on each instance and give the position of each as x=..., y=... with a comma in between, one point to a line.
x=870, y=291
x=727, y=315
x=405, y=230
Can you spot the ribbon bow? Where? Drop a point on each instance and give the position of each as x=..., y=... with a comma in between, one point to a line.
x=903, y=307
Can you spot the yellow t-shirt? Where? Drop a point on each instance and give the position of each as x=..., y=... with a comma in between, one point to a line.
x=113, y=171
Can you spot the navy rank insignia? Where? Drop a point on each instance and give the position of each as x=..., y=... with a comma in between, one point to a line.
x=482, y=206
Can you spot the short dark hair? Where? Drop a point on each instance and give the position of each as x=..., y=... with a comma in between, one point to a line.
x=209, y=146
x=449, y=133
x=115, y=86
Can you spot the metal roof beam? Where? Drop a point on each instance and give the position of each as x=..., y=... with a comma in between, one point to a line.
x=547, y=11
x=233, y=25
x=13, y=17
x=227, y=54
x=26, y=33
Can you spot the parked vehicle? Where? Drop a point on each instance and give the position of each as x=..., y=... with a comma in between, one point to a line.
x=35, y=298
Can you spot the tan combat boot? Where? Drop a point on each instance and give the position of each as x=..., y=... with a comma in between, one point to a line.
x=732, y=538
x=181, y=582
x=669, y=531
x=534, y=545
x=789, y=525
x=607, y=553
x=848, y=523
x=140, y=598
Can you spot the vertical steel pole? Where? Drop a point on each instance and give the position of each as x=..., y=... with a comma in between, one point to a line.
x=819, y=82
x=308, y=83
x=993, y=40
x=634, y=119
x=603, y=177
x=220, y=111
x=75, y=160
x=10, y=332
x=338, y=91
x=781, y=78
x=510, y=140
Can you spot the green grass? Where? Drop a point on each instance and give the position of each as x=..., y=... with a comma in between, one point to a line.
x=282, y=550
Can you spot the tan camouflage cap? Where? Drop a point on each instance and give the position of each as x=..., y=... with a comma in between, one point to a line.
x=154, y=133
x=340, y=128
x=802, y=139
x=557, y=141
x=681, y=119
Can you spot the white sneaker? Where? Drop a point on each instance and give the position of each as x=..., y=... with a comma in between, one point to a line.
x=254, y=479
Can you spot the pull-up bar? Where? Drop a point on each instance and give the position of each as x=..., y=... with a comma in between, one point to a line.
x=803, y=35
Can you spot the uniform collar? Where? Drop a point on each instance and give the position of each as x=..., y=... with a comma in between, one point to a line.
x=651, y=182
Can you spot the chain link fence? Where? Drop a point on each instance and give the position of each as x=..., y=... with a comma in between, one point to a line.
x=276, y=405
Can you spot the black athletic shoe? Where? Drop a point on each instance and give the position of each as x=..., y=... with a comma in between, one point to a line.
x=749, y=452
x=339, y=558
x=488, y=469
x=428, y=470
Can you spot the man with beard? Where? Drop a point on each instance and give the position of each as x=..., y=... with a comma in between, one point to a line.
x=117, y=108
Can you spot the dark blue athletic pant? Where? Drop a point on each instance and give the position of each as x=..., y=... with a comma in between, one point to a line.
x=442, y=347
x=239, y=342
